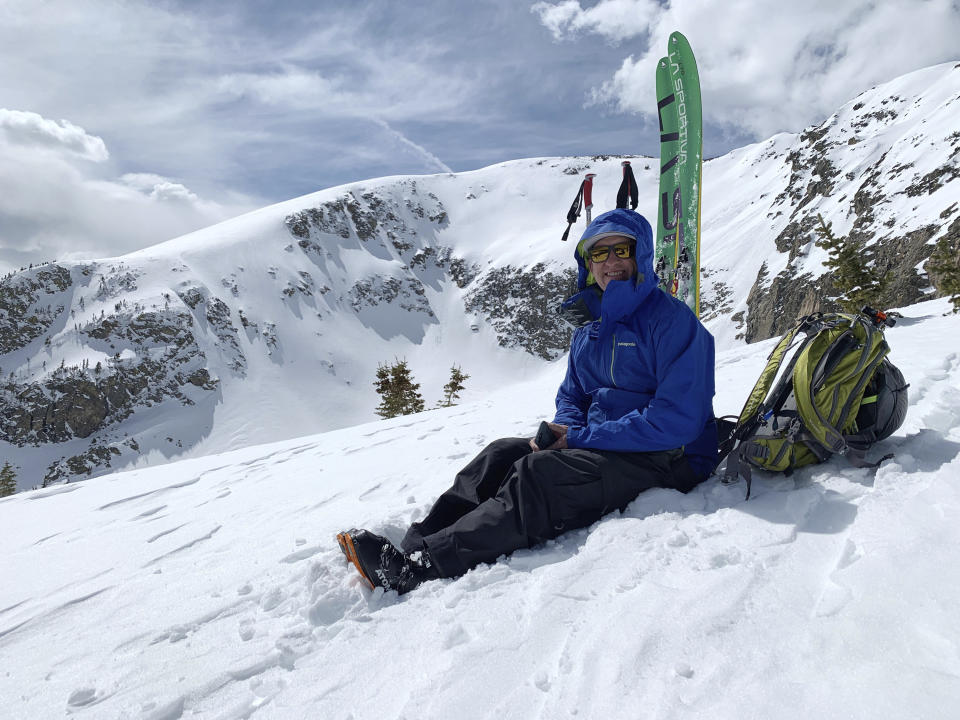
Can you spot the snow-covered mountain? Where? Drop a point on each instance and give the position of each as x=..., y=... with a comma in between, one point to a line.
x=271, y=325
x=212, y=587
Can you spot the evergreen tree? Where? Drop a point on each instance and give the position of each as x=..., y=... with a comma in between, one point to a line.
x=399, y=395
x=8, y=480
x=388, y=405
x=854, y=272
x=945, y=263
x=451, y=391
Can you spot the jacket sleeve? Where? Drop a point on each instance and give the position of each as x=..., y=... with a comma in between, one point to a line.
x=572, y=401
x=682, y=402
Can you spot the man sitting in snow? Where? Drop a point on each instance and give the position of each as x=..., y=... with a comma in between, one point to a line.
x=633, y=412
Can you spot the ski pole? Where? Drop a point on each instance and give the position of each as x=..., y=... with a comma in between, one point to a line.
x=628, y=188
x=588, y=194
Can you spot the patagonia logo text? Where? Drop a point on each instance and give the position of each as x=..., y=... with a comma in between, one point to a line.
x=626, y=344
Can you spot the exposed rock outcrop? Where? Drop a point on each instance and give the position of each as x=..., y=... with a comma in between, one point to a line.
x=520, y=304
x=30, y=302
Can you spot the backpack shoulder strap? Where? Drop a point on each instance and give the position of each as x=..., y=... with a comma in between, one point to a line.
x=753, y=411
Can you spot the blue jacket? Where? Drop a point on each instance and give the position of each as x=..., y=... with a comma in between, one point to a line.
x=640, y=375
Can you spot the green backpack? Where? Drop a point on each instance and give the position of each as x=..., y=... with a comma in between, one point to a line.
x=838, y=394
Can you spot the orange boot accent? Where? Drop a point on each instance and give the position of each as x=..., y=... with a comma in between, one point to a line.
x=346, y=545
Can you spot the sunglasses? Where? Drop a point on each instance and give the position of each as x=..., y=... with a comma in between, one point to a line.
x=621, y=250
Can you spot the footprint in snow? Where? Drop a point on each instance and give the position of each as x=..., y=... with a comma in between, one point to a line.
x=730, y=556
x=851, y=553
x=945, y=414
x=336, y=595
x=457, y=635
x=833, y=598
x=83, y=697
x=302, y=554
x=272, y=599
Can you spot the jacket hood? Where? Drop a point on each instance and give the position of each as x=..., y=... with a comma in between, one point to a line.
x=617, y=222
x=620, y=298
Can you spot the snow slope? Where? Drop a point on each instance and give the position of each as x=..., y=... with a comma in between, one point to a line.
x=212, y=587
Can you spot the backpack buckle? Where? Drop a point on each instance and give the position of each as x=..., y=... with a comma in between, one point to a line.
x=793, y=429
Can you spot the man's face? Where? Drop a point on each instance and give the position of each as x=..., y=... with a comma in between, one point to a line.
x=613, y=267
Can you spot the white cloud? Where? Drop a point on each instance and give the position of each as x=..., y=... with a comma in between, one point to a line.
x=766, y=66
x=379, y=85
x=616, y=20
x=56, y=205
x=405, y=94
x=159, y=187
x=292, y=87
x=29, y=128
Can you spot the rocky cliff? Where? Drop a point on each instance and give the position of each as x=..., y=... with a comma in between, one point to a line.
x=883, y=169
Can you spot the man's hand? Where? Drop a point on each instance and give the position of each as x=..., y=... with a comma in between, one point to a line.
x=559, y=432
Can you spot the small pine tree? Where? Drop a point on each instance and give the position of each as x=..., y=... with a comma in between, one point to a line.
x=399, y=395
x=451, y=391
x=945, y=263
x=388, y=406
x=853, y=269
x=8, y=480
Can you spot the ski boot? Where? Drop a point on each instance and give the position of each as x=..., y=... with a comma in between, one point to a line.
x=380, y=564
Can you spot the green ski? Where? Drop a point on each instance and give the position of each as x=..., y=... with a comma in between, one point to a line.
x=681, y=161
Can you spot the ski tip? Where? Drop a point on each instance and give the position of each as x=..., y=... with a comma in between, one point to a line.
x=678, y=38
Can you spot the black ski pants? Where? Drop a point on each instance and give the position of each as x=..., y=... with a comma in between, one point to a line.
x=509, y=497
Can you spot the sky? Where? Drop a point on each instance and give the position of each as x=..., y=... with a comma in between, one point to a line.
x=124, y=123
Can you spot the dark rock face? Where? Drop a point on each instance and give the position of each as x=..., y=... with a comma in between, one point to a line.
x=369, y=216
x=952, y=239
x=331, y=218
x=66, y=406
x=796, y=236
x=716, y=296
x=213, y=314
x=409, y=294
x=521, y=306
x=30, y=302
x=75, y=402
x=900, y=245
x=392, y=226
x=775, y=307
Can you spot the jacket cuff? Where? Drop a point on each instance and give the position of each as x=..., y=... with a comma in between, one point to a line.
x=573, y=436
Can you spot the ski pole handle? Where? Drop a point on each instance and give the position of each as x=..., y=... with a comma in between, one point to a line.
x=588, y=194
x=588, y=190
